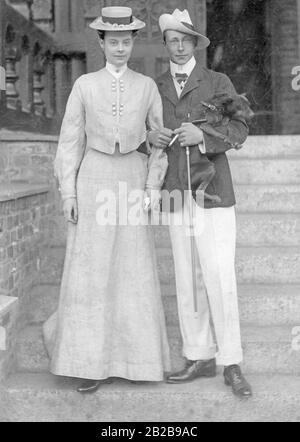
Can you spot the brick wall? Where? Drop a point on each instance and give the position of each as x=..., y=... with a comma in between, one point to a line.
x=24, y=226
x=284, y=23
x=27, y=224
x=30, y=212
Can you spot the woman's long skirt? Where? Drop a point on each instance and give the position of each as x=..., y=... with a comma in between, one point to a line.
x=110, y=320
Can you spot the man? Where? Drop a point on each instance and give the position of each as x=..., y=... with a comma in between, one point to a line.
x=183, y=87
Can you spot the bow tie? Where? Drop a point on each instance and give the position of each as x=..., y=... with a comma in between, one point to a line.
x=181, y=79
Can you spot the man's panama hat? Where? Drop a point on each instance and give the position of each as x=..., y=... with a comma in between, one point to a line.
x=117, y=18
x=181, y=21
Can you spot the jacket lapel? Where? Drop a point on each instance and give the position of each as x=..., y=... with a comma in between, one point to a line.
x=167, y=87
x=193, y=80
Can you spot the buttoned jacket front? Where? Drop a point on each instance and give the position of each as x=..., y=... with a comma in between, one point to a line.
x=101, y=112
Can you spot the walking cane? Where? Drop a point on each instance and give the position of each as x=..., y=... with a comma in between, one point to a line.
x=192, y=239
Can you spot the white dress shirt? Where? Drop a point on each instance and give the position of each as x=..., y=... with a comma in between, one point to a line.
x=181, y=69
x=186, y=68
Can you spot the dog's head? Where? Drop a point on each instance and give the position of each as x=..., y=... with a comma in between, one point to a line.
x=230, y=106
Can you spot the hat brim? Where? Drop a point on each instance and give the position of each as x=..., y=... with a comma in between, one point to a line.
x=168, y=23
x=99, y=25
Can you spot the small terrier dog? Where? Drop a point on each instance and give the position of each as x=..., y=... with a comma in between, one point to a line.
x=217, y=113
x=221, y=110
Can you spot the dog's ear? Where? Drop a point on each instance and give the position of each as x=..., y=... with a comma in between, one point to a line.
x=222, y=100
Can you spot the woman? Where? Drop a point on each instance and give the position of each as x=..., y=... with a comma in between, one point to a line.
x=110, y=320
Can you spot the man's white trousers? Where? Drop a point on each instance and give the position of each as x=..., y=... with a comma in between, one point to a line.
x=215, y=241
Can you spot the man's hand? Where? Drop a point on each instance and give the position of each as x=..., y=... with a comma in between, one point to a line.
x=189, y=135
x=70, y=209
x=160, y=138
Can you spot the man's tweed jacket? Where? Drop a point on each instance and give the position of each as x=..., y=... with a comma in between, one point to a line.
x=202, y=85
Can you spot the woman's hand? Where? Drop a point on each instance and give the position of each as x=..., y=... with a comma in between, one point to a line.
x=70, y=210
x=152, y=199
x=160, y=138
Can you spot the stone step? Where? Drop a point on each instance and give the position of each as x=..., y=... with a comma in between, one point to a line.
x=274, y=201
x=267, y=349
x=265, y=171
x=260, y=304
x=268, y=198
x=268, y=229
x=44, y=397
x=266, y=146
x=254, y=265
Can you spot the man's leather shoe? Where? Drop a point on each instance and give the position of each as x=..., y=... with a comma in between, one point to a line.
x=91, y=386
x=194, y=370
x=234, y=378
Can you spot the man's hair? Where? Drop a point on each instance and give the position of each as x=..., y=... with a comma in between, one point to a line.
x=195, y=38
x=102, y=34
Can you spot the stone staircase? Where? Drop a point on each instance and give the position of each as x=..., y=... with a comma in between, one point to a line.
x=267, y=181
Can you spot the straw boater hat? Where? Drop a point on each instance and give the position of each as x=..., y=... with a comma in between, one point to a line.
x=117, y=18
x=181, y=21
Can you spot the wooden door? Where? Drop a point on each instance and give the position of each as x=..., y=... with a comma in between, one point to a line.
x=149, y=56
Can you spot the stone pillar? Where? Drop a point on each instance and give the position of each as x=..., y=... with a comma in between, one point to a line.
x=95, y=57
x=62, y=83
x=62, y=16
x=12, y=94
x=78, y=67
x=49, y=82
x=38, y=85
x=26, y=77
x=77, y=16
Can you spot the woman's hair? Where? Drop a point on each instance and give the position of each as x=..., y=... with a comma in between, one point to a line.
x=102, y=34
